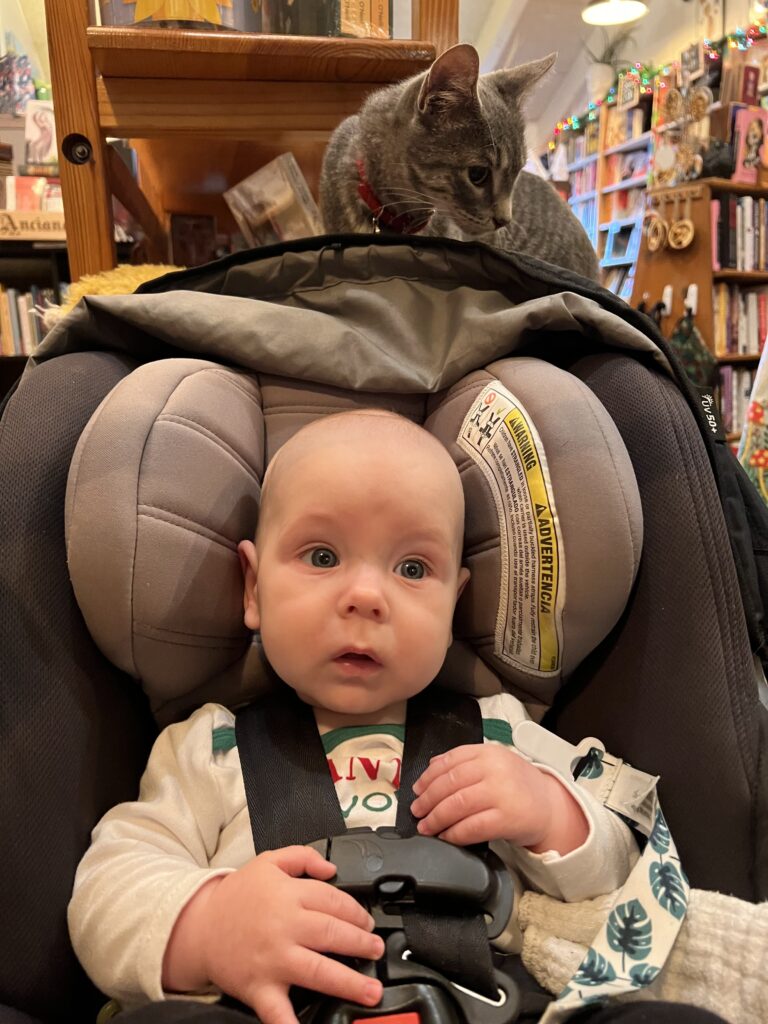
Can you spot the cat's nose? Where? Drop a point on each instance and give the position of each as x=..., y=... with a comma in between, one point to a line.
x=500, y=222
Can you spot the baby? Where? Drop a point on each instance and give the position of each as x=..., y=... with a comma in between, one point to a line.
x=352, y=583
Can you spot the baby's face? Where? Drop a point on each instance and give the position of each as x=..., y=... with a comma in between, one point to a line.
x=358, y=572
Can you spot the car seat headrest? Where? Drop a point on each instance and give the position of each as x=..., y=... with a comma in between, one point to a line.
x=165, y=481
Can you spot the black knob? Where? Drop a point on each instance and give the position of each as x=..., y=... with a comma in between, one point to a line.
x=77, y=148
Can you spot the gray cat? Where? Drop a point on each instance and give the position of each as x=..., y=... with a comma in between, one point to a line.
x=442, y=154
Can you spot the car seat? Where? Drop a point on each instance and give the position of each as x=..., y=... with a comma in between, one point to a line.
x=320, y=323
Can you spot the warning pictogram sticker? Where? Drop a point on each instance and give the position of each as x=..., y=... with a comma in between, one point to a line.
x=501, y=438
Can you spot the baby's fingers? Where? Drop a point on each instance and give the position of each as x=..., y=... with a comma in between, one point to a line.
x=450, y=781
x=271, y=1004
x=327, y=934
x=443, y=763
x=327, y=899
x=321, y=974
x=301, y=860
x=455, y=808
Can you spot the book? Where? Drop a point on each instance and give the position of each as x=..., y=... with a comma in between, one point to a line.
x=24, y=193
x=40, y=133
x=39, y=170
x=355, y=18
x=274, y=204
x=749, y=138
x=750, y=78
x=714, y=213
x=6, y=329
x=381, y=19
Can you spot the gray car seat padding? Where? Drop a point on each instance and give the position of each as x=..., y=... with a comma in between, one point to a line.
x=165, y=482
x=684, y=623
x=76, y=732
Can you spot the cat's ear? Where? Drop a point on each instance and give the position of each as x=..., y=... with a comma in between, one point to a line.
x=516, y=83
x=452, y=79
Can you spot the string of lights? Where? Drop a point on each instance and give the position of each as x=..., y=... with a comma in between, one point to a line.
x=645, y=76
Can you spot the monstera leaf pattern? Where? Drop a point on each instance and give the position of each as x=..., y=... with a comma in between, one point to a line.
x=629, y=931
x=643, y=974
x=594, y=969
x=669, y=889
x=632, y=947
x=659, y=837
x=592, y=765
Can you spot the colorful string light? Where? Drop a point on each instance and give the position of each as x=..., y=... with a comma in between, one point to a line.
x=739, y=39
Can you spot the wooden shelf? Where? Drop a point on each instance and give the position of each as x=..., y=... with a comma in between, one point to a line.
x=31, y=226
x=585, y=161
x=220, y=103
x=630, y=183
x=630, y=145
x=618, y=261
x=738, y=357
x=741, y=276
x=621, y=222
x=716, y=185
x=247, y=57
x=583, y=197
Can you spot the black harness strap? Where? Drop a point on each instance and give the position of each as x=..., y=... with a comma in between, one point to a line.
x=455, y=945
x=290, y=793
x=292, y=799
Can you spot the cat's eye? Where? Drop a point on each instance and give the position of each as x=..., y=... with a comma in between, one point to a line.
x=477, y=174
x=412, y=569
x=320, y=558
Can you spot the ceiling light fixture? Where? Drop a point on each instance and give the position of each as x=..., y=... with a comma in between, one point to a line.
x=613, y=12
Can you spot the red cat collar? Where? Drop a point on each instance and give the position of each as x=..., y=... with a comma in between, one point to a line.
x=403, y=223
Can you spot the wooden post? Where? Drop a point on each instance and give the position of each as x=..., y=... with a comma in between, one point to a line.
x=87, y=200
x=436, y=21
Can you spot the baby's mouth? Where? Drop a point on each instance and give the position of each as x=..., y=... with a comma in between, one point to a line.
x=357, y=659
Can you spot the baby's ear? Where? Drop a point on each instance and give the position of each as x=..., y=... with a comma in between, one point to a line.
x=463, y=581
x=249, y=562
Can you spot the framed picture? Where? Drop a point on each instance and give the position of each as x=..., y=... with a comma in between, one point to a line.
x=40, y=133
x=692, y=62
x=629, y=92
x=749, y=135
x=762, y=83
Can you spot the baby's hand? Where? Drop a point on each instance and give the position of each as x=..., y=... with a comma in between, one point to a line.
x=481, y=792
x=261, y=929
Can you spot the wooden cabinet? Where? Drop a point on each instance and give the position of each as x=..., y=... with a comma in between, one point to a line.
x=698, y=265
x=203, y=109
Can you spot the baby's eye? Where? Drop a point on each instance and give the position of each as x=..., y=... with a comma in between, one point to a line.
x=412, y=569
x=320, y=558
x=477, y=174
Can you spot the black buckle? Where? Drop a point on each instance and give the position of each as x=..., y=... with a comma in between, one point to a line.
x=384, y=871
x=410, y=987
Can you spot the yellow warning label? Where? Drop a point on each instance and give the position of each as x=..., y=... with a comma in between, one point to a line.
x=501, y=438
x=549, y=642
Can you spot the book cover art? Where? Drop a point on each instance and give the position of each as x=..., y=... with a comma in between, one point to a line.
x=749, y=133
x=40, y=133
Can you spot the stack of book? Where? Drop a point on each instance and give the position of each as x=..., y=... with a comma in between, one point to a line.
x=6, y=159
x=623, y=125
x=584, y=180
x=21, y=325
x=32, y=192
x=739, y=233
x=740, y=319
x=735, y=389
x=586, y=144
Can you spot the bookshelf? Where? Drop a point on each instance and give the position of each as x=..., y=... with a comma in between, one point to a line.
x=696, y=265
x=204, y=109
x=28, y=266
x=608, y=173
